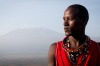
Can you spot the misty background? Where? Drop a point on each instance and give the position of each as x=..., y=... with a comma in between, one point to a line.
x=28, y=27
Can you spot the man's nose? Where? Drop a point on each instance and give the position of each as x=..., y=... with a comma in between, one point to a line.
x=66, y=23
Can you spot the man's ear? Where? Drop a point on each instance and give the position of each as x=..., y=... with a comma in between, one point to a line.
x=84, y=22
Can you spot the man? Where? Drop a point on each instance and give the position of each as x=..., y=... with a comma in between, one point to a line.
x=76, y=49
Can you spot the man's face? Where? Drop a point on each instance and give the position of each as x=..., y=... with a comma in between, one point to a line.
x=72, y=24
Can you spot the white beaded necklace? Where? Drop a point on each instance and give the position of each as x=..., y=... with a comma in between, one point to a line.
x=73, y=54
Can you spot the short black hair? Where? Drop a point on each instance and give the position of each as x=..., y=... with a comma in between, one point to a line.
x=82, y=11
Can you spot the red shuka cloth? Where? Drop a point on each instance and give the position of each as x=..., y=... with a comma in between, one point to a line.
x=93, y=58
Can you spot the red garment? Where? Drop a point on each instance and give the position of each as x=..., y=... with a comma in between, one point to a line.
x=93, y=58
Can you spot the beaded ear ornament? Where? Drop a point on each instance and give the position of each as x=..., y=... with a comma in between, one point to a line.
x=73, y=54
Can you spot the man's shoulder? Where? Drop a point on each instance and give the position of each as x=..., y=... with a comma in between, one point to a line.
x=53, y=45
x=95, y=44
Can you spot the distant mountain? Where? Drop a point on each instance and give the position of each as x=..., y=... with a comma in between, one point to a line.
x=30, y=42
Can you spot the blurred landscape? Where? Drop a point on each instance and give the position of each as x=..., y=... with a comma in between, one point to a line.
x=27, y=47
x=24, y=62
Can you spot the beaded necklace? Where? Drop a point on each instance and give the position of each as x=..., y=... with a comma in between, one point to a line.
x=73, y=54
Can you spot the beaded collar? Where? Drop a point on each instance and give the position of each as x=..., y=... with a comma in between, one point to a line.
x=73, y=54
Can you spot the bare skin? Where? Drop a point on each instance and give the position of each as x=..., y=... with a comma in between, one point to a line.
x=74, y=28
x=51, y=56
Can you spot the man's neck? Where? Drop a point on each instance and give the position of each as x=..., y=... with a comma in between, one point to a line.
x=76, y=41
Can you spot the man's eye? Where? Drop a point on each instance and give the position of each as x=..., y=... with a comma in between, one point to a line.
x=72, y=18
x=69, y=19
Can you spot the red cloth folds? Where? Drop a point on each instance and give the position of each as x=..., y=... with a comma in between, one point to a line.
x=93, y=58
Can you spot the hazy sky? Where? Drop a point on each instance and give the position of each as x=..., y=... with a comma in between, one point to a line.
x=15, y=14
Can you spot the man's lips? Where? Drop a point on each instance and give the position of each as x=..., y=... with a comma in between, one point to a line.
x=66, y=28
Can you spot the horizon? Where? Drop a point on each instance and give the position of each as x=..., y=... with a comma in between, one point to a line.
x=25, y=28
x=16, y=43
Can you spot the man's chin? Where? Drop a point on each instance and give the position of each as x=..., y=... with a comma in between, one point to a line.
x=67, y=34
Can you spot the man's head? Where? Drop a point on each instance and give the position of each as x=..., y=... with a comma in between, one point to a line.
x=75, y=19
